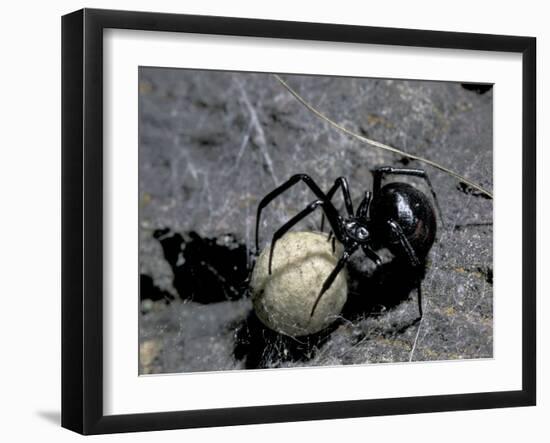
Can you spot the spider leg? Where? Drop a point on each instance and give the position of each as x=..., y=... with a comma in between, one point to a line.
x=340, y=182
x=411, y=255
x=331, y=237
x=378, y=174
x=419, y=293
x=334, y=273
x=371, y=254
x=289, y=224
x=405, y=244
x=363, y=208
x=332, y=213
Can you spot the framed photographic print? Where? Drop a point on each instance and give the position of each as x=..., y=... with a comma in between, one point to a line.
x=273, y=221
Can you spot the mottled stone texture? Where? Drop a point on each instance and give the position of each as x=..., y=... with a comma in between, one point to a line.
x=212, y=144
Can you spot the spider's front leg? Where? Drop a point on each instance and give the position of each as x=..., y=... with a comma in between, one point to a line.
x=332, y=276
x=342, y=183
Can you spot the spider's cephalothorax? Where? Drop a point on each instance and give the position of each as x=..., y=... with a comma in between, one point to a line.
x=400, y=218
x=356, y=230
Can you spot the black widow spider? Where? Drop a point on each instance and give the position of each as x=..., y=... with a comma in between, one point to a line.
x=401, y=219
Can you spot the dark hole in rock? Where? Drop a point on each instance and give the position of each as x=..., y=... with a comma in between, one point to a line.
x=206, y=270
x=149, y=291
x=480, y=88
x=261, y=347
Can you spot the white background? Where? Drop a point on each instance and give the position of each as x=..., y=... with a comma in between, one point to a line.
x=30, y=220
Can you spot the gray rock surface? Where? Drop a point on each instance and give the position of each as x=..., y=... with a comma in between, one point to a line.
x=212, y=144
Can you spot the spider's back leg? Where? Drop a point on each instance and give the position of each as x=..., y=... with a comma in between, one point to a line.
x=410, y=253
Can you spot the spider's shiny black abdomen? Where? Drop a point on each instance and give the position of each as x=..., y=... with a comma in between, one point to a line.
x=411, y=210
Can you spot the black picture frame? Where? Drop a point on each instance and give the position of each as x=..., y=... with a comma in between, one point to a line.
x=82, y=218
